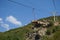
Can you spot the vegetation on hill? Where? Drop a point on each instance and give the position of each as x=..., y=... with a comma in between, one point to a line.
x=53, y=32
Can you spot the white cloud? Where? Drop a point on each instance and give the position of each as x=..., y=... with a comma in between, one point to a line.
x=10, y=19
x=5, y=26
x=13, y=20
x=2, y=24
x=0, y=19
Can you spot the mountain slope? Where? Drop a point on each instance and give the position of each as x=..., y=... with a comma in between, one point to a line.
x=52, y=33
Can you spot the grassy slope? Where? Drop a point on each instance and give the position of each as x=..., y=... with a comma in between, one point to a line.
x=16, y=34
x=19, y=33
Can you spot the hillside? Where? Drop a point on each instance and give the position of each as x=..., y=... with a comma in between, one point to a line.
x=46, y=29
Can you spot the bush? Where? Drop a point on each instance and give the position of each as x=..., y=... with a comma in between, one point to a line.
x=48, y=32
x=54, y=30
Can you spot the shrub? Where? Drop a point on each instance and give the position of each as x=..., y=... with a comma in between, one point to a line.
x=48, y=32
x=54, y=30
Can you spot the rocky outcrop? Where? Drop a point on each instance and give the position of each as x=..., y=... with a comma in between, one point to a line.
x=39, y=29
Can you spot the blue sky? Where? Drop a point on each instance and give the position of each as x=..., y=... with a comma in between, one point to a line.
x=13, y=15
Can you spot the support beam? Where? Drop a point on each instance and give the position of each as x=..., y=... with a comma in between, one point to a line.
x=54, y=14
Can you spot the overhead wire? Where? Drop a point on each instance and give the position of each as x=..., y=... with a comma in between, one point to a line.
x=33, y=9
x=25, y=6
x=54, y=4
x=20, y=4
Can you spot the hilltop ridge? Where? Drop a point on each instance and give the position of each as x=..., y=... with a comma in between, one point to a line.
x=42, y=29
